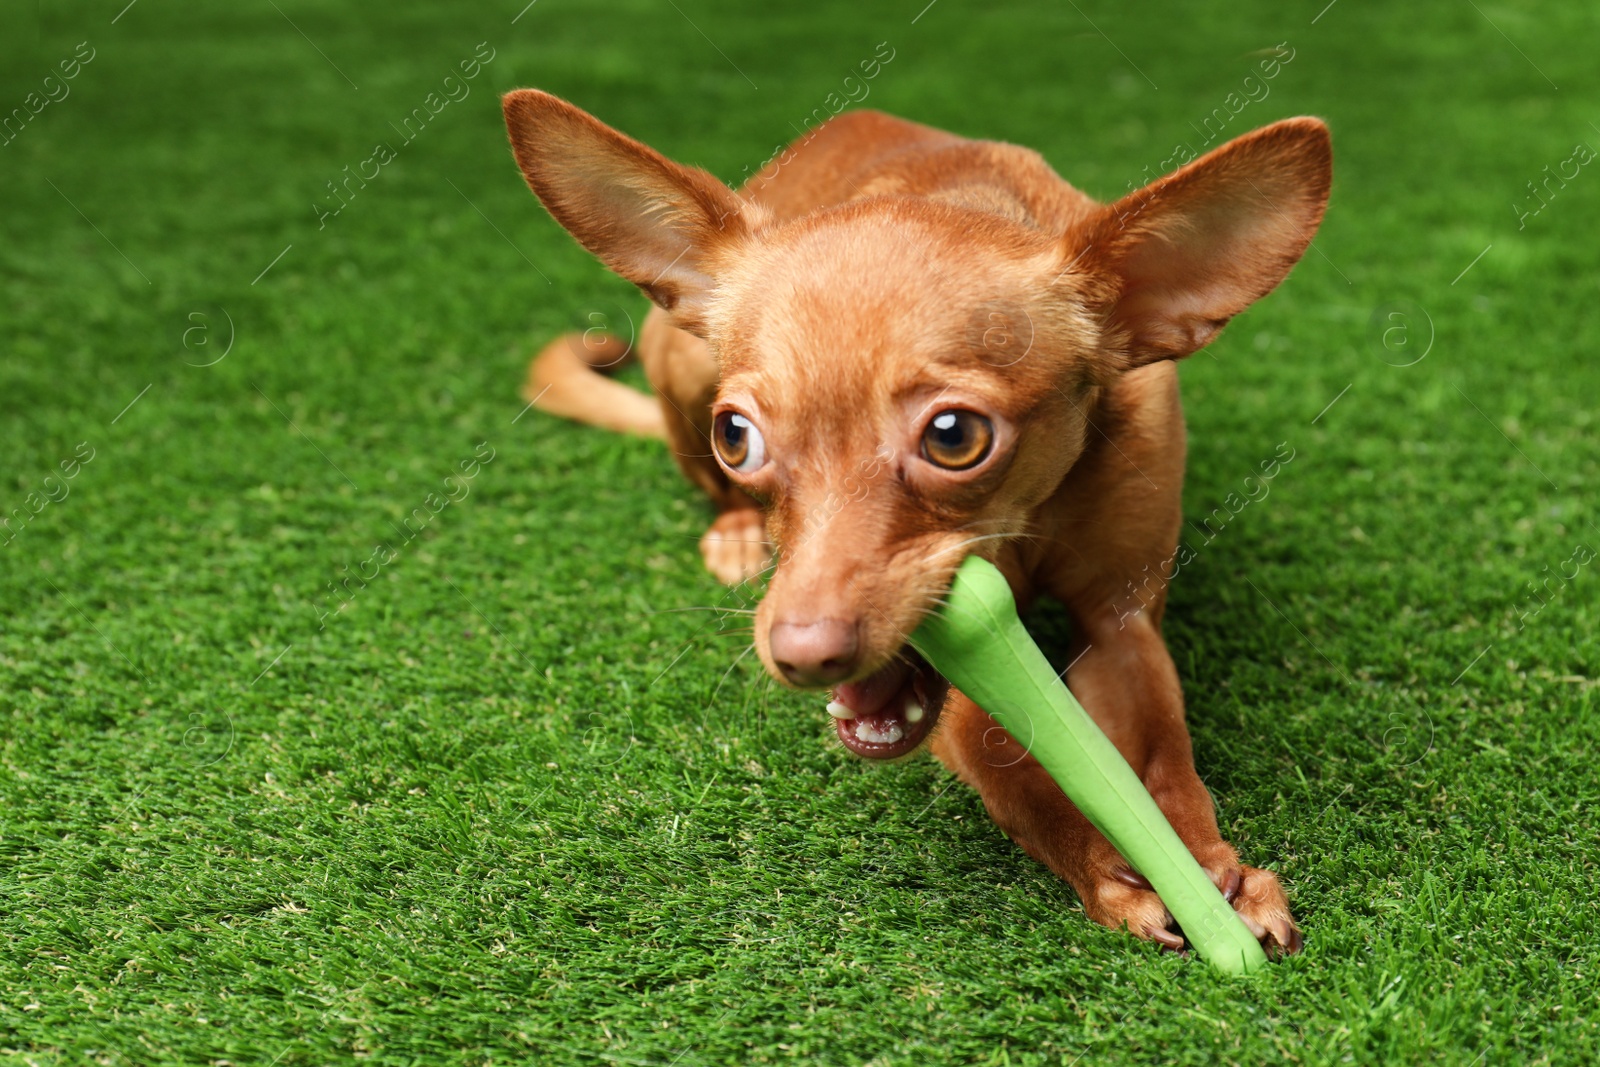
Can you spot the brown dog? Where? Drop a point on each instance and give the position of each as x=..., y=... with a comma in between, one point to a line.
x=896, y=346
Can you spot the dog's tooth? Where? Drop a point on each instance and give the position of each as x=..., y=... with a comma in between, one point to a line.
x=840, y=711
x=913, y=709
x=865, y=731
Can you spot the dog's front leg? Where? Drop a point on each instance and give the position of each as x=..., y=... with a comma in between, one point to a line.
x=1124, y=677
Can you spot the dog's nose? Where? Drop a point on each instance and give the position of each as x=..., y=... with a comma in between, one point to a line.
x=814, y=653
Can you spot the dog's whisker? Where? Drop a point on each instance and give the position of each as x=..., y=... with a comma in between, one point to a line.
x=705, y=607
x=712, y=701
x=1008, y=536
x=964, y=545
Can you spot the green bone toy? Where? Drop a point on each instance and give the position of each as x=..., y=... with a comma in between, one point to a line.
x=977, y=642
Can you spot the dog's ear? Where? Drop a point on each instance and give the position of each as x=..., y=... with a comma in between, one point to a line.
x=1191, y=250
x=660, y=225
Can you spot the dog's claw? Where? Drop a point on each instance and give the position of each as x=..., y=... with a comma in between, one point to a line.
x=1132, y=878
x=1282, y=940
x=1258, y=899
x=1230, y=885
x=1168, y=940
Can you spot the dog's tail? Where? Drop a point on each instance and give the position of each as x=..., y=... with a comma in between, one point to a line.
x=565, y=379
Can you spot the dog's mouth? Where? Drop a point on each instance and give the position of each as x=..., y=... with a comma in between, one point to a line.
x=891, y=711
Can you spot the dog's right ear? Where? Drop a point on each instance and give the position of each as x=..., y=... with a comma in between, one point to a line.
x=661, y=225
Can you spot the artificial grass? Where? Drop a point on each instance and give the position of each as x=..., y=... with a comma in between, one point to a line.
x=515, y=803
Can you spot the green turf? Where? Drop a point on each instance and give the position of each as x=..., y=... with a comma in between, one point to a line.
x=517, y=803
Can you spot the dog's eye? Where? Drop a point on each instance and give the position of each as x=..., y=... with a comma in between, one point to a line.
x=956, y=440
x=738, y=442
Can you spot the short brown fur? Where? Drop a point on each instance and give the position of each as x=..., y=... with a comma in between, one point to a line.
x=881, y=270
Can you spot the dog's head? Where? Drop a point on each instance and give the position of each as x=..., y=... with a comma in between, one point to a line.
x=904, y=379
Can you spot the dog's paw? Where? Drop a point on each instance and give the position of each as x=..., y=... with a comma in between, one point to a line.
x=1256, y=895
x=735, y=546
x=1126, y=900
x=1260, y=901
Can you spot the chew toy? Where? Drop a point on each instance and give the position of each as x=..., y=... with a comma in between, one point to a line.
x=977, y=642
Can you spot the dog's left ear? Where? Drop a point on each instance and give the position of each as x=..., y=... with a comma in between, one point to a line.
x=1191, y=250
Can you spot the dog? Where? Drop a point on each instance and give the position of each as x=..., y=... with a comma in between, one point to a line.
x=894, y=347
